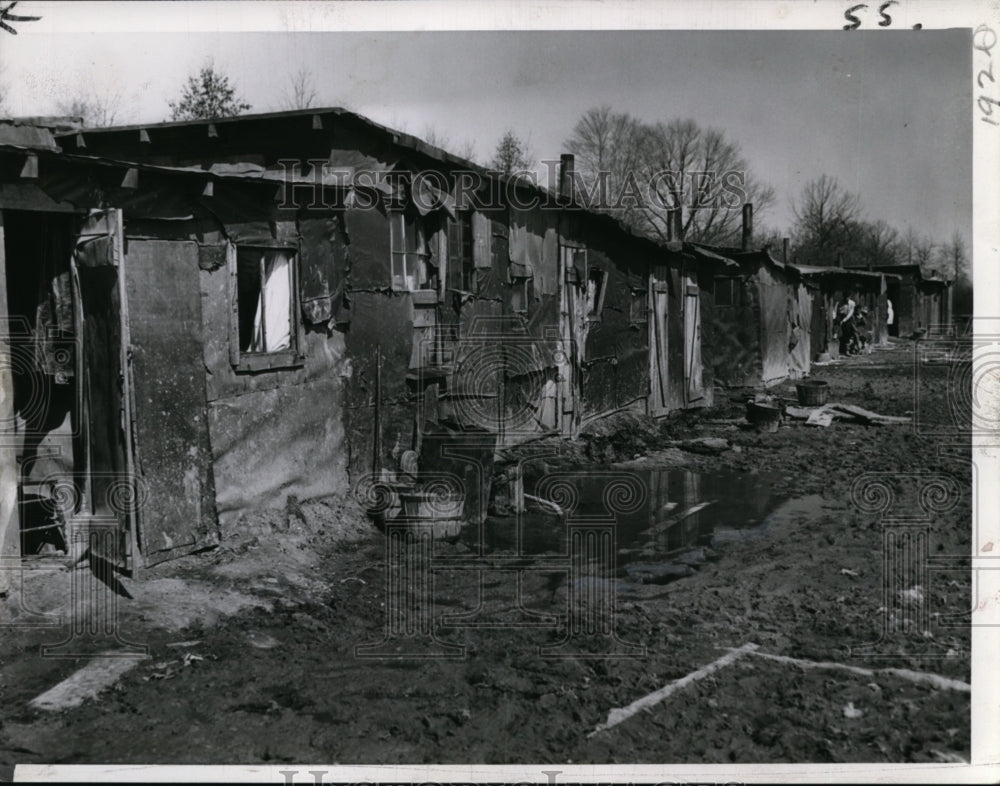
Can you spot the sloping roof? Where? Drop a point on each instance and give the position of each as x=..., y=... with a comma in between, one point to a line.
x=832, y=271
x=306, y=121
x=23, y=134
x=900, y=270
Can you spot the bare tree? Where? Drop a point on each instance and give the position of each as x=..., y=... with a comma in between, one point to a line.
x=915, y=248
x=826, y=221
x=608, y=147
x=953, y=257
x=467, y=150
x=880, y=242
x=646, y=171
x=97, y=109
x=437, y=138
x=302, y=91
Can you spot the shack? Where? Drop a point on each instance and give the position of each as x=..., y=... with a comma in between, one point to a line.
x=151, y=317
x=499, y=304
x=759, y=333
x=830, y=284
x=921, y=302
x=308, y=327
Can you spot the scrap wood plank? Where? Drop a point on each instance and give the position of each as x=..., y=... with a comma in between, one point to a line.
x=86, y=683
x=868, y=415
x=620, y=714
x=920, y=677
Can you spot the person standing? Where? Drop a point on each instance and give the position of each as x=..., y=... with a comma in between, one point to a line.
x=845, y=322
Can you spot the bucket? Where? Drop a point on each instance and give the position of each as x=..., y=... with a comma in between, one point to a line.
x=812, y=392
x=763, y=416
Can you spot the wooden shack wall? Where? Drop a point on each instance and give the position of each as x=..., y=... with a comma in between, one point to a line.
x=616, y=351
x=732, y=336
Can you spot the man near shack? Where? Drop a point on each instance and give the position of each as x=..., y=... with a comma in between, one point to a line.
x=845, y=322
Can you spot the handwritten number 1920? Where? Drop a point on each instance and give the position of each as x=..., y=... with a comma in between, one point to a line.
x=983, y=40
x=854, y=22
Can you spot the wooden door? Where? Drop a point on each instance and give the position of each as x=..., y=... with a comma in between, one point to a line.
x=693, y=386
x=659, y=297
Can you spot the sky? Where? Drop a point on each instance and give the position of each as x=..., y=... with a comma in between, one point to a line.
x=888, y=113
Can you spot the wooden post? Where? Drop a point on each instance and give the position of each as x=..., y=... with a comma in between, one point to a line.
x=10, y=527
x=118, y=252
x=377, y=424
x=784, y=250
x=747, y=238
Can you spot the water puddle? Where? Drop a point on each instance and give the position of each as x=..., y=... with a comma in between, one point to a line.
x=685, y=520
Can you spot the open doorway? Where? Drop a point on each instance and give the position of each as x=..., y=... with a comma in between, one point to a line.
x=64, y=323
x=42, y=324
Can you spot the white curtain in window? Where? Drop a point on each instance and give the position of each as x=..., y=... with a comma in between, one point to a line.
x=272, y=322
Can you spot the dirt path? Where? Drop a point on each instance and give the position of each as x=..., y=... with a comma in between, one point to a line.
x=269, y=671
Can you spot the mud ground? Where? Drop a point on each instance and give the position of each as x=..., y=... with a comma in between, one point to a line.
x=252, y=646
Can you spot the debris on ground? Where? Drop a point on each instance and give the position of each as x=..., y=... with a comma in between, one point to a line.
x=824, y=415
x=706, y=446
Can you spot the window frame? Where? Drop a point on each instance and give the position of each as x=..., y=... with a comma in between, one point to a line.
x=460, y=229
x=291, y=357
x=404, y=217
x=639, y=297
x=596, y=313
x=735, y=287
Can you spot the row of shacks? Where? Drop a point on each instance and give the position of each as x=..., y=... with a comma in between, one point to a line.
x=225, y=315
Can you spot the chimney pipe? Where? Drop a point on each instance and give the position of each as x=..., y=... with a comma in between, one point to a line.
x=566, y=166
x=784, y=250
x=747, y=243
x=675, y=226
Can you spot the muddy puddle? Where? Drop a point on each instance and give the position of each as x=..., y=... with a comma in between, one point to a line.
x=684, y=520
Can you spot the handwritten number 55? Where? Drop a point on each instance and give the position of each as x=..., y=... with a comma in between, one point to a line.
x=855, y=22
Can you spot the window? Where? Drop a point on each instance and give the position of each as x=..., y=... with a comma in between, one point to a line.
x=460, y=256
x=727, y=291
x=639, y=307
x=409, y=252
x=264, y=286
x=597, y=281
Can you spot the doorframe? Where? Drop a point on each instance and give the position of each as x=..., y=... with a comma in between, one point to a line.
x=659, y=342
x=689, y=281
x=10, y=481
x=10, y=521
